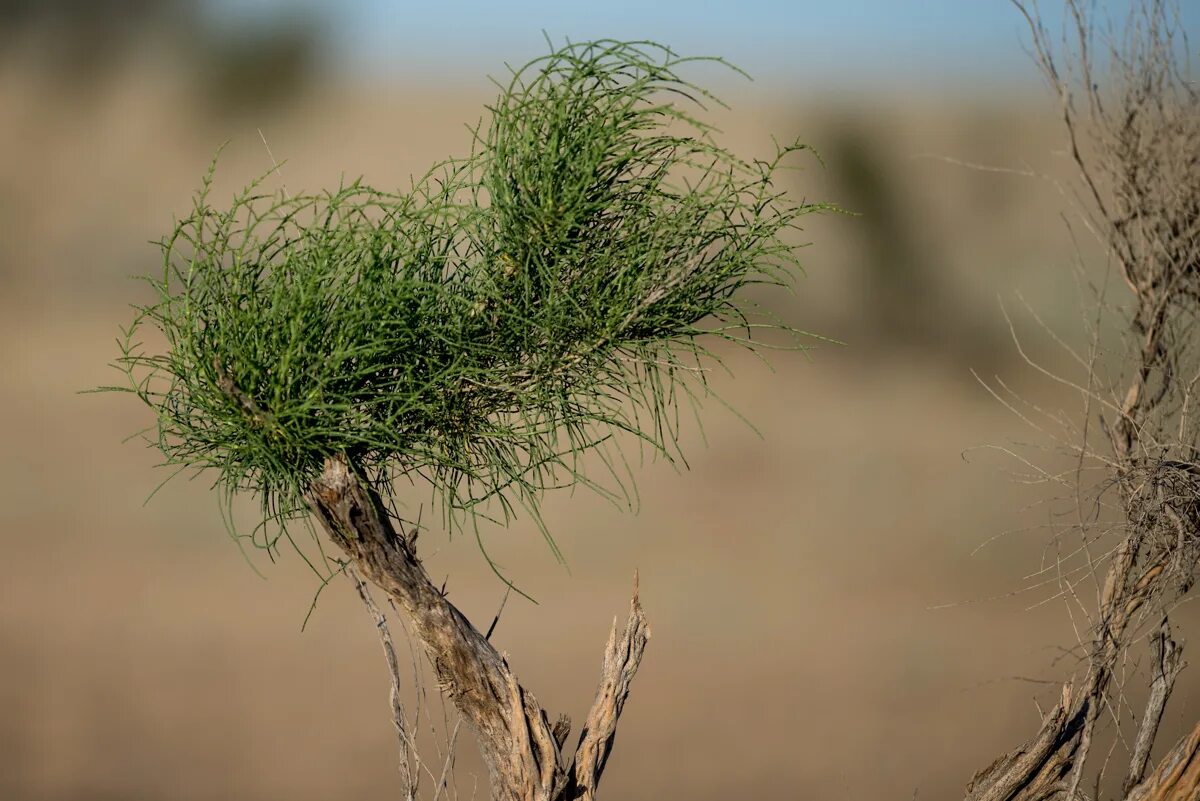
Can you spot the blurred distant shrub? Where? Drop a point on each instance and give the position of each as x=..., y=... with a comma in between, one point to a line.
x=258, y=66
x=899, y=283
x=232, y=68
x=907, y=296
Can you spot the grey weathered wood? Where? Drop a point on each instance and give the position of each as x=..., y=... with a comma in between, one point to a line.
x=1165, y=666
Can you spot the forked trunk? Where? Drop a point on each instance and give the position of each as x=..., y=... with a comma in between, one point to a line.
x=523, y=753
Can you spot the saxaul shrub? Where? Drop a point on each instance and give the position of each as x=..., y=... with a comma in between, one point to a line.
x=514, y=309
x=551, y=294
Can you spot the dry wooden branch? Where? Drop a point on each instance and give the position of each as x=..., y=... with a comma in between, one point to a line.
x=518, y=744
x=621, y=659
x=409, y=778
x=1035, y=771
x=1166, y=665
x=1177, y=777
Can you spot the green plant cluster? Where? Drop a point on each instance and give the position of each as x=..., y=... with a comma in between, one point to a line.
x=513, y=310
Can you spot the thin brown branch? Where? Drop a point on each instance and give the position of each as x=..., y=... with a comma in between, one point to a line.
x=410, y=779
x=448, y=763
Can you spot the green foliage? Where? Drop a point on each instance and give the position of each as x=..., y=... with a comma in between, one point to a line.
x=480, y=332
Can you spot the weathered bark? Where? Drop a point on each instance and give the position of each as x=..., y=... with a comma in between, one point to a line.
x=1048, y=766
x=621, y=659
x=521, y=749
x=1036, y=770
x=1177, y=777
x=1165, y=665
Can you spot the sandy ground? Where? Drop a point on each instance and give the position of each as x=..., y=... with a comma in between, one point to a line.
x=791, y=579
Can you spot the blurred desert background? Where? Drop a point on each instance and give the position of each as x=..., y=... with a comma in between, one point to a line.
x=826, y=624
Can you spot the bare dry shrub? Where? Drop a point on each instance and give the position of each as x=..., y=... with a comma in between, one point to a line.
x=1132, y=118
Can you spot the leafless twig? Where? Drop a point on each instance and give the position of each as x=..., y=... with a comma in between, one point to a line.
x=409, y=778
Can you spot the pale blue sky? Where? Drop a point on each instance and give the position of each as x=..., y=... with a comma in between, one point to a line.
x=799, y=44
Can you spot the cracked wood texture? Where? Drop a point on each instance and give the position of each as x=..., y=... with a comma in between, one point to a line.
x=521, y=749
x=1044, y=763
x=1177, y=777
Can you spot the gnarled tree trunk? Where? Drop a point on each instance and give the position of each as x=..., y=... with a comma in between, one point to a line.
x=522, y=751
